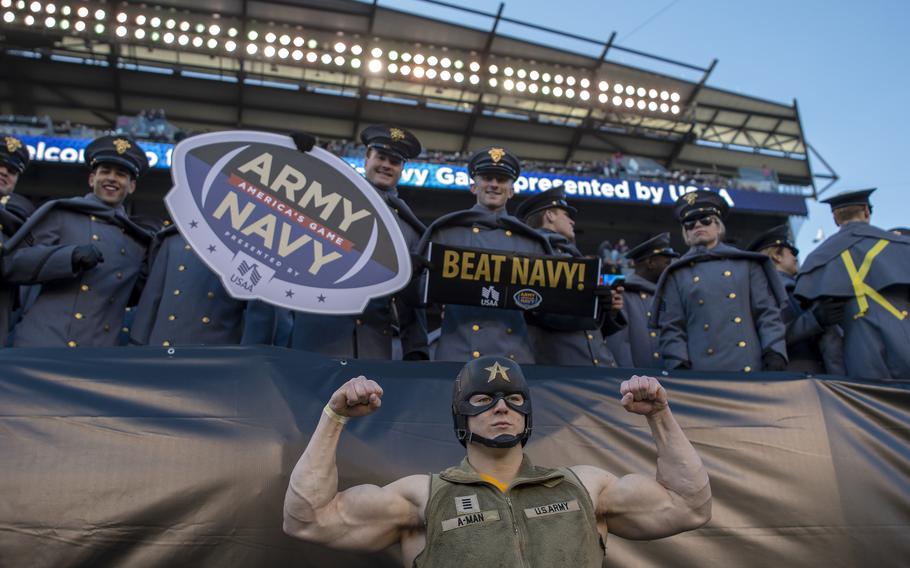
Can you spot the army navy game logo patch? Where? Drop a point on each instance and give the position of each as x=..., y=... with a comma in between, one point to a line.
x=299, y=230
x=527, y=299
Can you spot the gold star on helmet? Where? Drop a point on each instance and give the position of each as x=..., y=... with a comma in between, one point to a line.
x=396, y=134
x=498, y=370
x=690, y=198
x=496, y=154
x=121, y=145
x=12, y=144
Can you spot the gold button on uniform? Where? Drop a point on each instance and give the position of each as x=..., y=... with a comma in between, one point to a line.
x=475, y=327
x=125, y=329
x=737, y=319
x=732, y=295
x=206, y=319
x=77, y=315
x=93, y=218
x=176, y=292
x=476, y=230
x=710, y=351
x=119, y=275
x=747, y=369
x=165, y=343
x=187, y=247
x=727, y=273
x=84, y=288
x=653, y=334
x=508, y=233
x=359, y=322
x=643, y=295
x=509, y=330
x=591, y=337
x=512, y=356
x=656, y=355
x=211, y=294
x=476, y=354
x=181, y=268
x=596, y=361
x=96, y=238
x=707, y=327
x=171, y=317
x=122, y=251
x=695, y=279
x=107, y=327
x=701, y=302
x=742, y=343
x=70, y=343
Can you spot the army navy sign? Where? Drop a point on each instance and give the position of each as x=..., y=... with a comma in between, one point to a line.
x=501, y=279
x=299, y=230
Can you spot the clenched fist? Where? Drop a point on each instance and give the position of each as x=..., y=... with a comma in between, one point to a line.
x=643, y=395
x=358, y=397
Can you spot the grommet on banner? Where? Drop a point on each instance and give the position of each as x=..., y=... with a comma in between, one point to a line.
x=343, y=362
x=171, y=351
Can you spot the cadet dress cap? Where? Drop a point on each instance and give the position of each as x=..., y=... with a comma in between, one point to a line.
x=392, y=139
x=777, y=237
x=496, y=377
x=13, y=153
x=544, y=200
x=847, y=198
x=120, y=150
x=494, y=160
x=700, y=203
x=656, y=245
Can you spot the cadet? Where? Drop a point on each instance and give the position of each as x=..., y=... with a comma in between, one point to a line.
x=469, y=331
x=86, y=254
x=636, y=345
x=814, y=340
x=718, y=307
x=870, y=268
x=14, y=210
x=497, y=508
x=370, y=334
x=184, y=303
x=566, y=340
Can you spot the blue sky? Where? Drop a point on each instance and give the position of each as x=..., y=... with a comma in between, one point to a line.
x=846, y=63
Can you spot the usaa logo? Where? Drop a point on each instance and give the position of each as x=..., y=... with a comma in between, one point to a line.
x=527, y=299
x=302, y=230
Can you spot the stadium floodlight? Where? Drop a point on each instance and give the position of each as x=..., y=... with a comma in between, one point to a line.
x=311, y=57
x=170, y=24
x=200, y=28
x=99, y=29
x=458, y=77
x=50, y=8
x=297, y=55
x=230, y=45
x=641, y=91
x=431, y=73
x=393, y=55
x=252, y=48
x=283, y=53
x=521, y=73
x=652, y=106
x=618, y=88
x=405, y=56
x=521, y=86
x=375, y=65
x=232, y=32
x=641, y=104
x=99, y=14
x=120, y=31
x=674, y=109
x=9, y=17
x=630, y=102
x=140, y=20
x=285, y=39
x=534, y=75
x=405, y=70
x=355, y=62
x=446, y=62
x=545, y=77
x=493, y=82
x=603, y=86
x=268, y=51
x=664, y=107
x=156, y=36
x=585, y=83
x=298, y=41
x=664, y=95
x=64, y=24
x=585, y=95
x=508, y=84
x=121, y=17
x=29, y=20
x=445, y=75
x=652, y=93
x=419, y=59
x=570, y=93
x=312, y=44
x=139, y=33
x=270, y=37
x=168, y=37
x=459, y=64
x=252, y=35
x=326, y=58
x=474, y=79
x=356, y=49
x=508, y=71
x=214, y=29
x=35, y=7
x=50, y=22
x=419, y=72
x=197, y=41
x=340, y=47
x=617, y=100
x=79, y=26
x=630, y=90
x=557, y=91
x=493, y=69
x=376, y=52
x=558, y=80
x=603, y=98
x=183, y=39
x=339, y=60
x=570, y=81
x=545, y=89
x=393, y=68
x=674, y=97
x=82, y=12
x=6, y=3
x=532, y=88
x=184, y=26
x=155, y=22
x=212, y=43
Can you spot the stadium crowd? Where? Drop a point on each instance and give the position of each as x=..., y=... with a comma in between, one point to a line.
x=79, y=272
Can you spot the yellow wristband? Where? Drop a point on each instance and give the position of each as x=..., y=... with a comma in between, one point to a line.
x=335, y=416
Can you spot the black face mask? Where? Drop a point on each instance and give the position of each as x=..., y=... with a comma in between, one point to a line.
x=498, y=378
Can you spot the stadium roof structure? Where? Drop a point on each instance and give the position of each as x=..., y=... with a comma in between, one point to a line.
x=330, y=67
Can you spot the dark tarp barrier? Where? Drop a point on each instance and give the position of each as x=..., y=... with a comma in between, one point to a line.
x=141, y=457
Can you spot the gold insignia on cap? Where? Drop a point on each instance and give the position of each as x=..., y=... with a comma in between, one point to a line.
x=122, y=145
x=690, y=198
x=498, y=370
x=12, y=144
x=496, y=154
x=396, y=134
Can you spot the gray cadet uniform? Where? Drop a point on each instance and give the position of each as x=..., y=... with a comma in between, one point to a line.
x=184, y=303
x=876, y=323
x=371, y=334
x=636, y=345
x=470, y=331
x=14, y=210
x=719, y=310
x=76, y=309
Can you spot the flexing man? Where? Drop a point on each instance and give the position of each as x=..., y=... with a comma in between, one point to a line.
x=496, y=500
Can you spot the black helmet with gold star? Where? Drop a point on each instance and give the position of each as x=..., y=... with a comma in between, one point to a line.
x=117, y=149
x=13, y=153
x=393, y=140
x=495, y=161
x=498, y=378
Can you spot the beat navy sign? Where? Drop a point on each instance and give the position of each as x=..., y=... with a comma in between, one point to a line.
x=299, y=230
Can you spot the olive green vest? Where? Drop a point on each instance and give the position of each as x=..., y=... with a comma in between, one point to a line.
x=544, y=519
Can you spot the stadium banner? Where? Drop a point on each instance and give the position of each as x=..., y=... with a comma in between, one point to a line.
x=143, y=457
x=503, y=279
x=301, y=230
x=445, y=176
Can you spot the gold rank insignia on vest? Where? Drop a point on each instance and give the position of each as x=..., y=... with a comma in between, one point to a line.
x=497, y=370
x=467, y=504
x=12, y=144
x=553, y=509
x=396, y=134
x=121, y=145
x=496, y=154
x=470, y=519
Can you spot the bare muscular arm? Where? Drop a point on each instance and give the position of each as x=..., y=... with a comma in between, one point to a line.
x=365, y=517
x=678, y=499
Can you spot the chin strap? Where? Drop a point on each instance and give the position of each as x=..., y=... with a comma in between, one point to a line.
x=503, y=441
